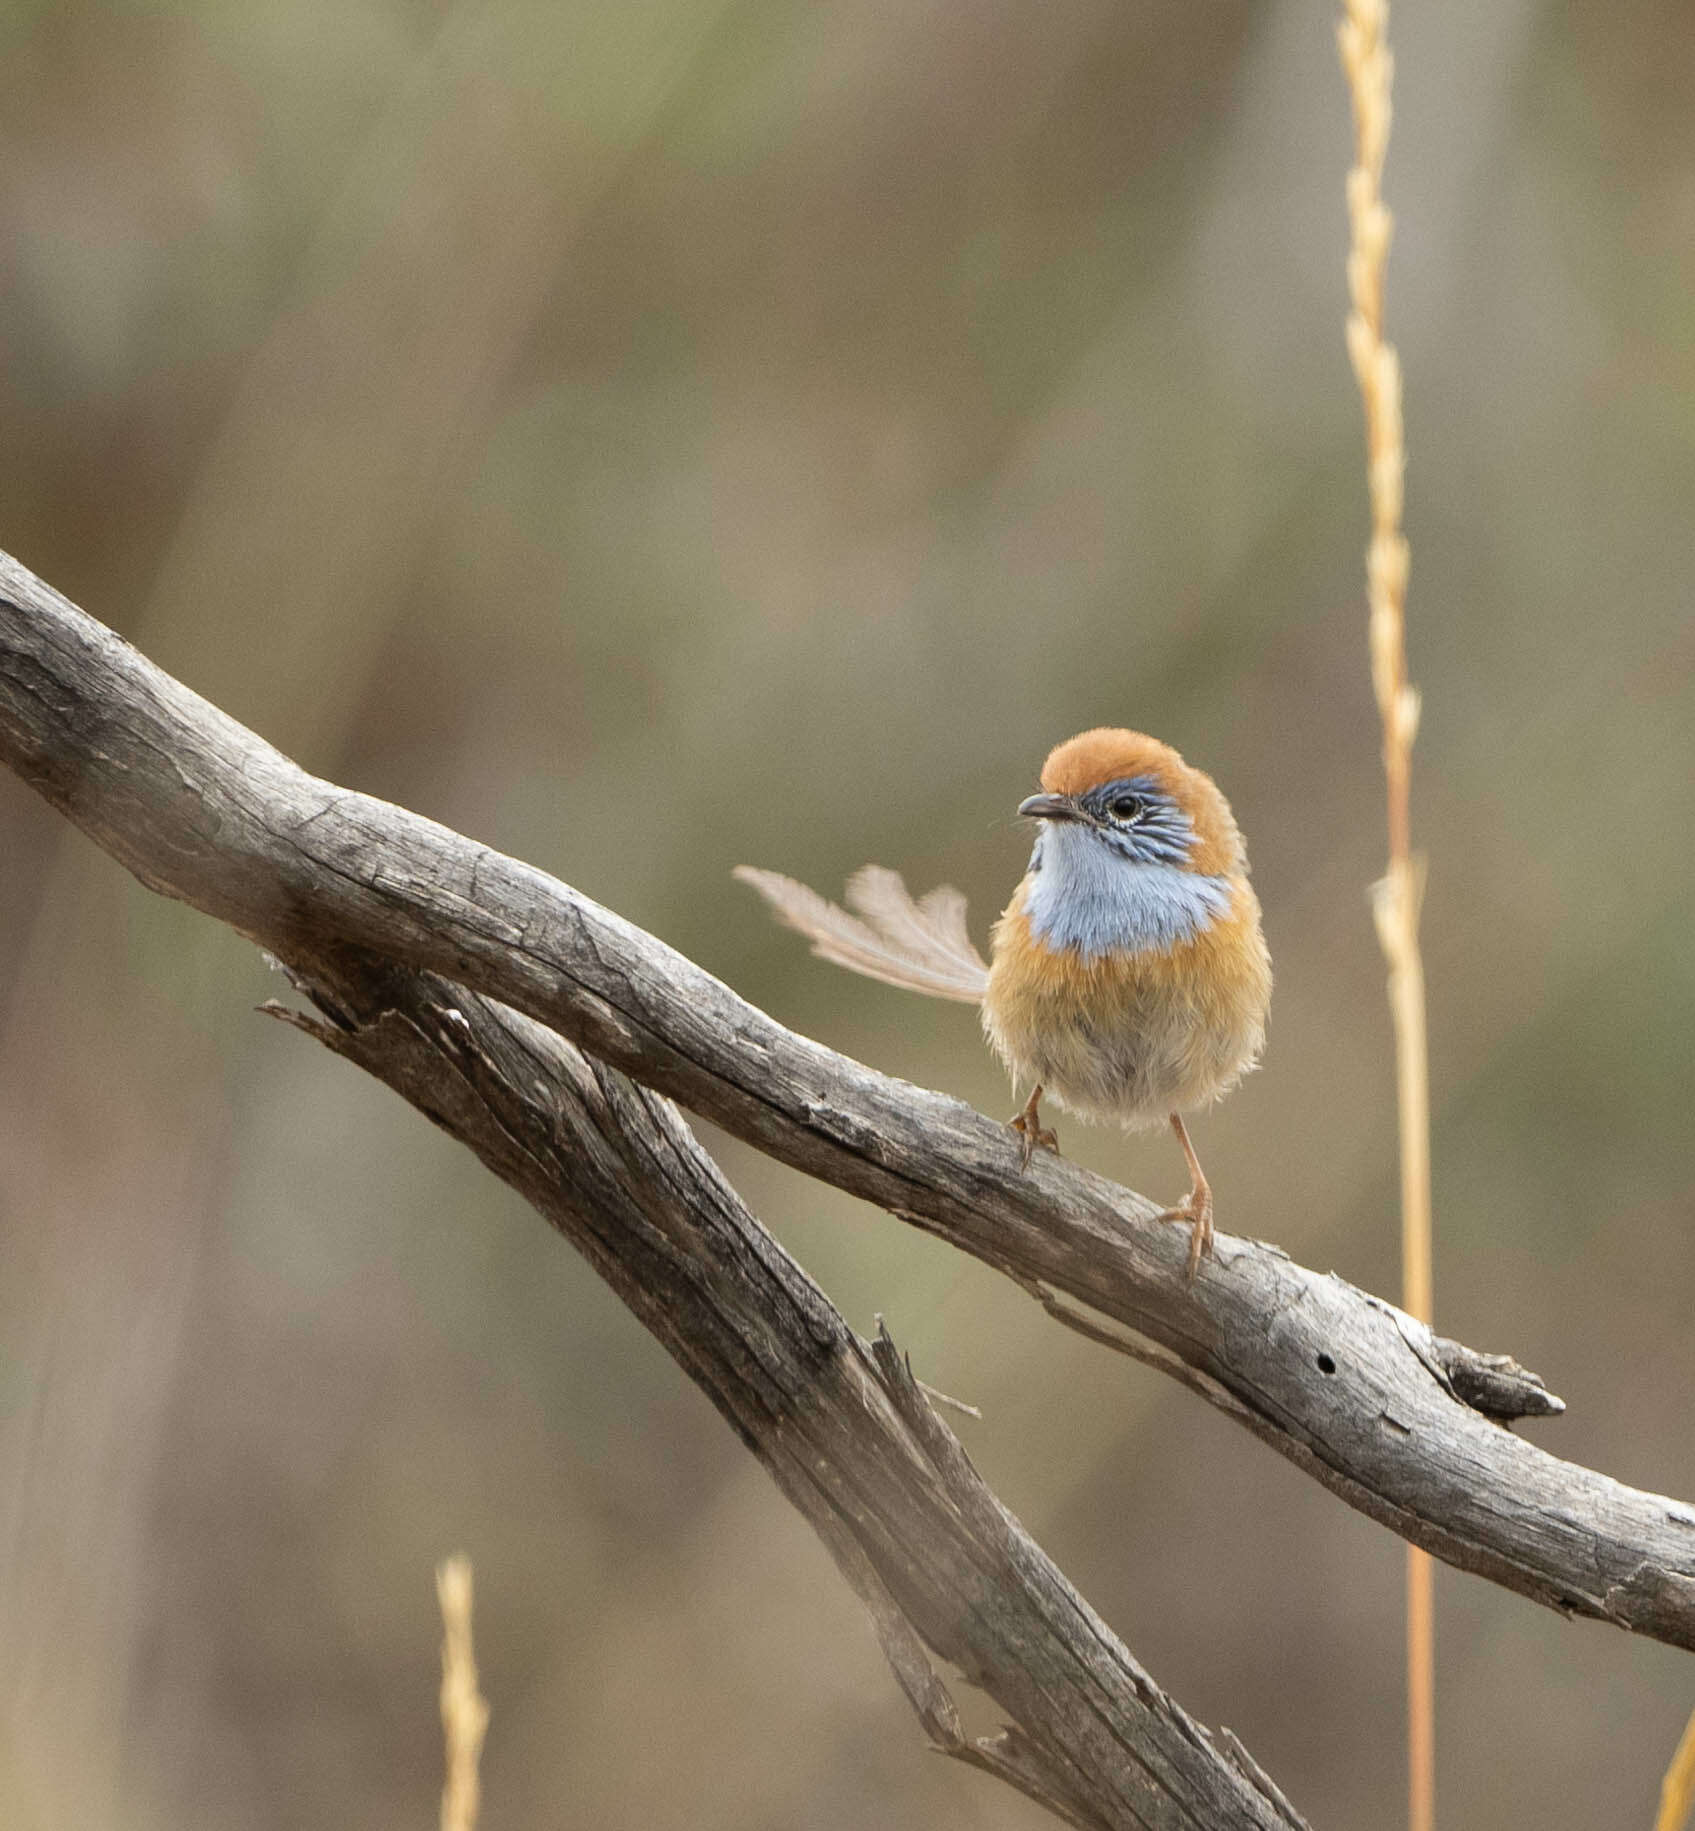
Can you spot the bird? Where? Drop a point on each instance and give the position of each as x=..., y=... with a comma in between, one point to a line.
x=1128, y=979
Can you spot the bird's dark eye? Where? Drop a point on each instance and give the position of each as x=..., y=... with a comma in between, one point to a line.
x=1125, y=807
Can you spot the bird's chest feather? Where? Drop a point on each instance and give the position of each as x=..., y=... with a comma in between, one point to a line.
x=1129, y=999
x=1080, y=898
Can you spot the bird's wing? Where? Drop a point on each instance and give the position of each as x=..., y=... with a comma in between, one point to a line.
x=921, y=945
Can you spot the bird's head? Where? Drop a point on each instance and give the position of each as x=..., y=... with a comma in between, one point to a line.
x=1136, y=849
x=1137, y=798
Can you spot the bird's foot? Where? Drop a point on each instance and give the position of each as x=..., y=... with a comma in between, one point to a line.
x=1032, y=1134
x=1032, y=1138
x=1196, y=1209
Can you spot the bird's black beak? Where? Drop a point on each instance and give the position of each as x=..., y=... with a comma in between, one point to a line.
x=1050, y=807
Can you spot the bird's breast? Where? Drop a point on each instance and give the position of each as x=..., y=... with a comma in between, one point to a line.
x=1131, y=1033
x=1081, y=897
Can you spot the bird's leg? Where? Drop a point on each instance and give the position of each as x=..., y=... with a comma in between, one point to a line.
x=1196, y=1206
x=1027, y=1123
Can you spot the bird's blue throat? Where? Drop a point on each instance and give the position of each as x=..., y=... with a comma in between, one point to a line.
x=1088, y=893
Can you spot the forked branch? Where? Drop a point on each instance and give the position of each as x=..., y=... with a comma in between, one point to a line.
x=840, y=1423
x=1346, y=1386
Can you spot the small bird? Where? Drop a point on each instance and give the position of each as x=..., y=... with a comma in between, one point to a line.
x=1129, y=981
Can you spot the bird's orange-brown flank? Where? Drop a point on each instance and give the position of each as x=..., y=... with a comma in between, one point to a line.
x=1131, y=1037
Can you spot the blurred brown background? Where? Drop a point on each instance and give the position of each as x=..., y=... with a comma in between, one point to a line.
x=660, y=436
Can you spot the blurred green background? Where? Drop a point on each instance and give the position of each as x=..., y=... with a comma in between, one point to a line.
x=657, y=437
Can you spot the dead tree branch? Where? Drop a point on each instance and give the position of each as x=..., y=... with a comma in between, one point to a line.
x=839, y=1422
x=1396, y=1421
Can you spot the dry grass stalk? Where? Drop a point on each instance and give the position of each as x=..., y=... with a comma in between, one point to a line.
x=464, y=1712
x=1677, y=1790
x=1366, y=60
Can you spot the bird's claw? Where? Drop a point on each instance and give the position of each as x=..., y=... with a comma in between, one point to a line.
x=1032, y=1137
x=1196, y=1209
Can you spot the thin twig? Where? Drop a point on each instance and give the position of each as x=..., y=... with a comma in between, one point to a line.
x=464, y=1711
x=1363, y=38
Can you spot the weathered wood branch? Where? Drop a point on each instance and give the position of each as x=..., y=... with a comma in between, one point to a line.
x=840, y=1423
x=1346, y=1386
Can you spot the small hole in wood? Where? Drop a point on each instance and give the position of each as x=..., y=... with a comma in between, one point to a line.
x=1326, y=1364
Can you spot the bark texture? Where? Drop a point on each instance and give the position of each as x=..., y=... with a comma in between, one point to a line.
x=1404, y=1425
x=839, y=1422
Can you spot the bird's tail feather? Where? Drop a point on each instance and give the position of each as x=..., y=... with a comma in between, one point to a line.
x=920, y=945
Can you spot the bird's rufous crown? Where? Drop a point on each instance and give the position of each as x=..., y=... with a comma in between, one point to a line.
x=1108, y=754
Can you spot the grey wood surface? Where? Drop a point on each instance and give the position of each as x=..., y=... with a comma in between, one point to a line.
x=1402, y=1425
x=840, y=1423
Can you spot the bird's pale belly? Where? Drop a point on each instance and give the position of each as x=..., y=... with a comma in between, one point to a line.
x=1132, y=1038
